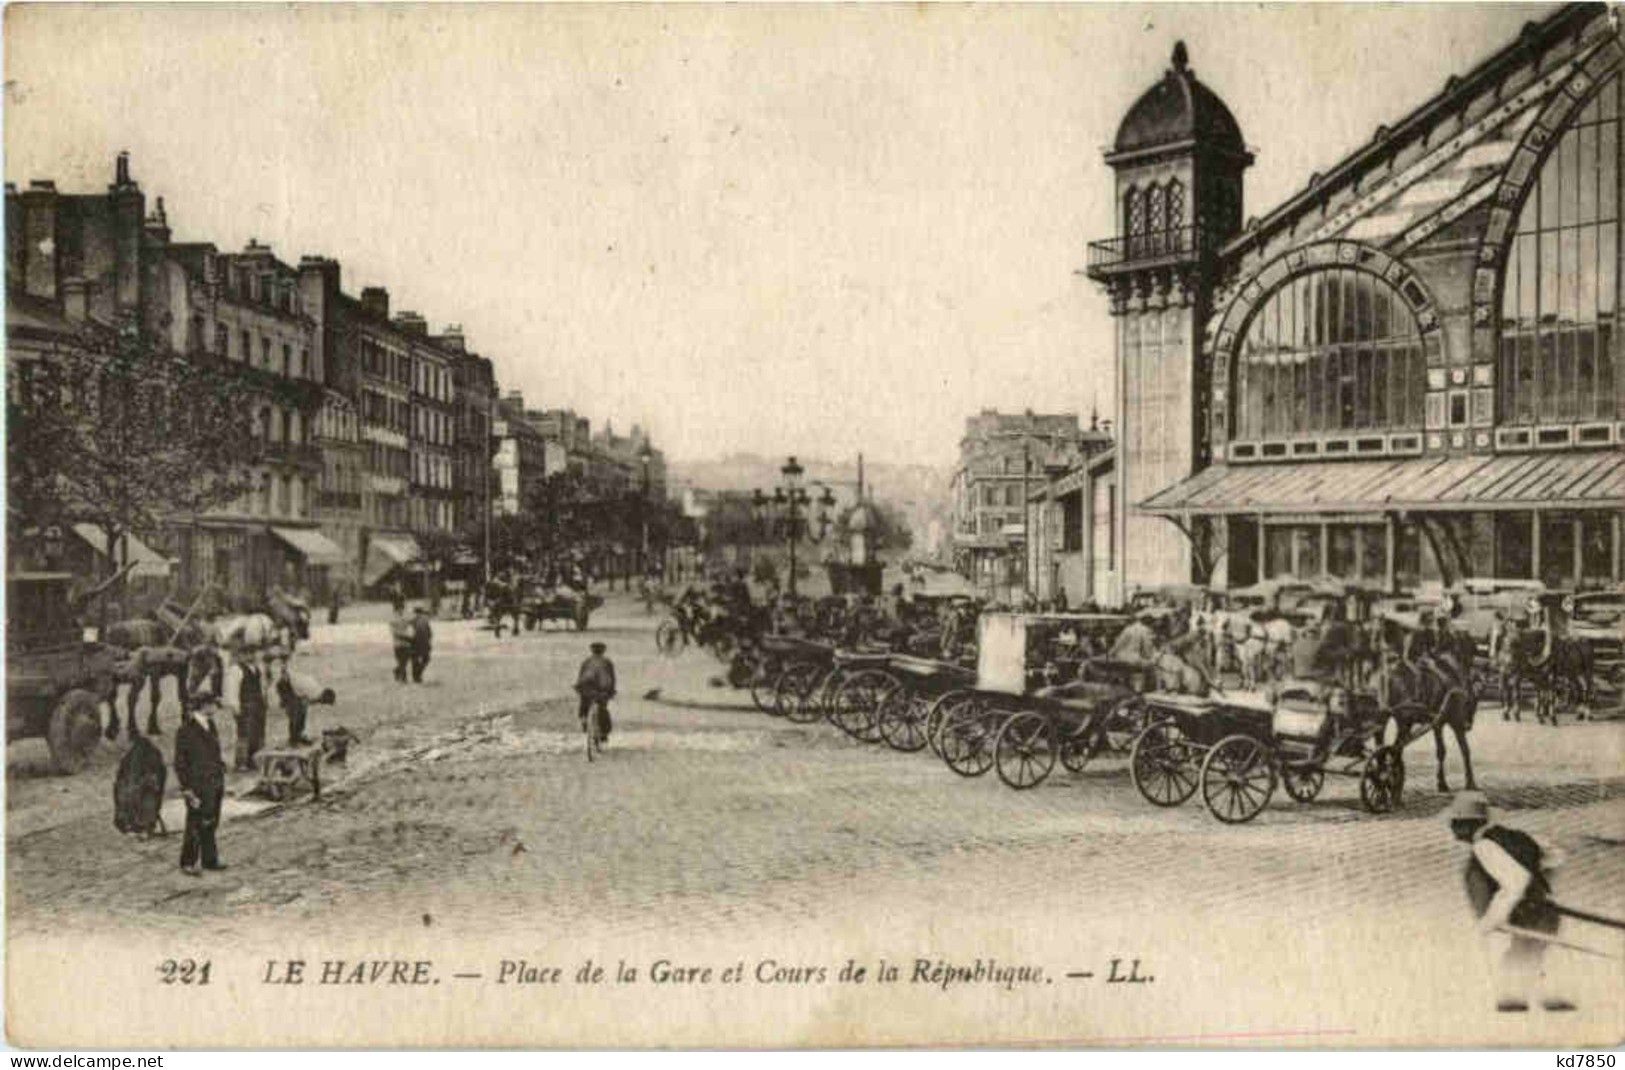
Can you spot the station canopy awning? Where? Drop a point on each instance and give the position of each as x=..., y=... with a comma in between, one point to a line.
x=316, y=548
x=148, y=562
x=1569, y=480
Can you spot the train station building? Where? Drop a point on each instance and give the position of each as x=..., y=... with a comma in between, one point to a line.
x=1411, y=370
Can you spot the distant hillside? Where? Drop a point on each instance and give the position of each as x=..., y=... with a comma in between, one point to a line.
x=919, y=491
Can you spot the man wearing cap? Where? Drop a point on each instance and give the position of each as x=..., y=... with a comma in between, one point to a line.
x=200, y=770
x=595, y=683
x=422, y=641
x=1509, y=889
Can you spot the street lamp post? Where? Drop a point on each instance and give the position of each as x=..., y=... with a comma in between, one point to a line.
x=645, y=455
x=791, y=497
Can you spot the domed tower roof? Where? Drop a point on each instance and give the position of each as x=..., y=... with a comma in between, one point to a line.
x=1178, y=109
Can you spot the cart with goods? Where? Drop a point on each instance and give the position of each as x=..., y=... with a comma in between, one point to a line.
x=55, y=681
x=572, y=607
x=1028, y=708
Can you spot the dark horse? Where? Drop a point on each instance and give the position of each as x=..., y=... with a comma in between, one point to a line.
x=1432, y=675
x=1558, y=668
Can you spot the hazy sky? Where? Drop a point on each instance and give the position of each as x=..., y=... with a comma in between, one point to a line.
x=800, y=229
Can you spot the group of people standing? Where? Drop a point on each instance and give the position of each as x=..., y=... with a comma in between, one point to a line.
x=412, y=638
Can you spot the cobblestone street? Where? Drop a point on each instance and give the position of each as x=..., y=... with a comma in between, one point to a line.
x=468, y=811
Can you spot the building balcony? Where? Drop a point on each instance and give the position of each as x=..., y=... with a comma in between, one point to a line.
x=1113, y=256
x=301, y=454
x=338, y=499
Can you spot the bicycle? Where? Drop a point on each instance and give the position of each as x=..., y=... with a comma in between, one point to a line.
x=592, y=726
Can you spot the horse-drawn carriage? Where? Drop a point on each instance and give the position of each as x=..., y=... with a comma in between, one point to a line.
x=1238, y=746
x=530, y=604
x=561, y=604
x=1040, y=696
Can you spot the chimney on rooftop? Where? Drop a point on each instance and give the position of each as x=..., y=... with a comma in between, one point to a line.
x=452, y=338
x=375, y=301
x=158, y=223
x=411, y=323
x=39, y=239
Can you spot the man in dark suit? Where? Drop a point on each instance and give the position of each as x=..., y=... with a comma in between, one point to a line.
x=422, y=643
x=200, y=770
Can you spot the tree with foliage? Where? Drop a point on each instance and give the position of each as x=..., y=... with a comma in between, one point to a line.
x=111, y=429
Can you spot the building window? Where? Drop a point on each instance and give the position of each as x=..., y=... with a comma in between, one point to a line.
x=1333, y=350
x=287, y=361
x=1176, y=204
x=1133, y=212
x=222, y=340
x=247, y=347
x=1561, y=356
x=265, y=351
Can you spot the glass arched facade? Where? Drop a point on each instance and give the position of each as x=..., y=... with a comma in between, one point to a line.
x=1560, y=356
x=1332, y=351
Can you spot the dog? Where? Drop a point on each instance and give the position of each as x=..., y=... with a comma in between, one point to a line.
x=138, y=789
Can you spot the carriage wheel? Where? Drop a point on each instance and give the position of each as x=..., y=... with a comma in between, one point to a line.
x=1124, y=723
x=902, y=720
x=1382, y=784
x=74, y=731
x=966, y=738
x=1079, y=746
x=795, y=684
x=934, y=718
x=762, y=692
x=1238, y=778
x=1162, y=764
x=669, y=638
x=1025, y=748
x=1303, y=783
x=855, y=703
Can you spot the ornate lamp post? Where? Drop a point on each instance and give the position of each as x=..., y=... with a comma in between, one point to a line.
x=645, y=455
x=792, y=498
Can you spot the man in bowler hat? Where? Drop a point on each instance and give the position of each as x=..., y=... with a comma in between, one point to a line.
x=200, y=770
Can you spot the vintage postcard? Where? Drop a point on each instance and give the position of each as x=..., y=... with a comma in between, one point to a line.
x=645, y=526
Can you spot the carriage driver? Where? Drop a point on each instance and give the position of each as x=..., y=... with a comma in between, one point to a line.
x=1431, y=649
x=1509, y=889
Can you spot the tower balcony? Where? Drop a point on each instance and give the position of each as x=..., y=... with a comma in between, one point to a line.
x=1160, y=248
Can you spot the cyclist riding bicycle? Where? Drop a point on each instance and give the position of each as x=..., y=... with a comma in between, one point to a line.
x=595, y=683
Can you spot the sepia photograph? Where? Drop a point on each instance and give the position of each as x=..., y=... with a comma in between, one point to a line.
x=754, y=526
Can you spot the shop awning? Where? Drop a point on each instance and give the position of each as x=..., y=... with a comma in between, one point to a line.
x=1570, y=480
x=386, y=552
x=148, y=562
x=316, y=548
